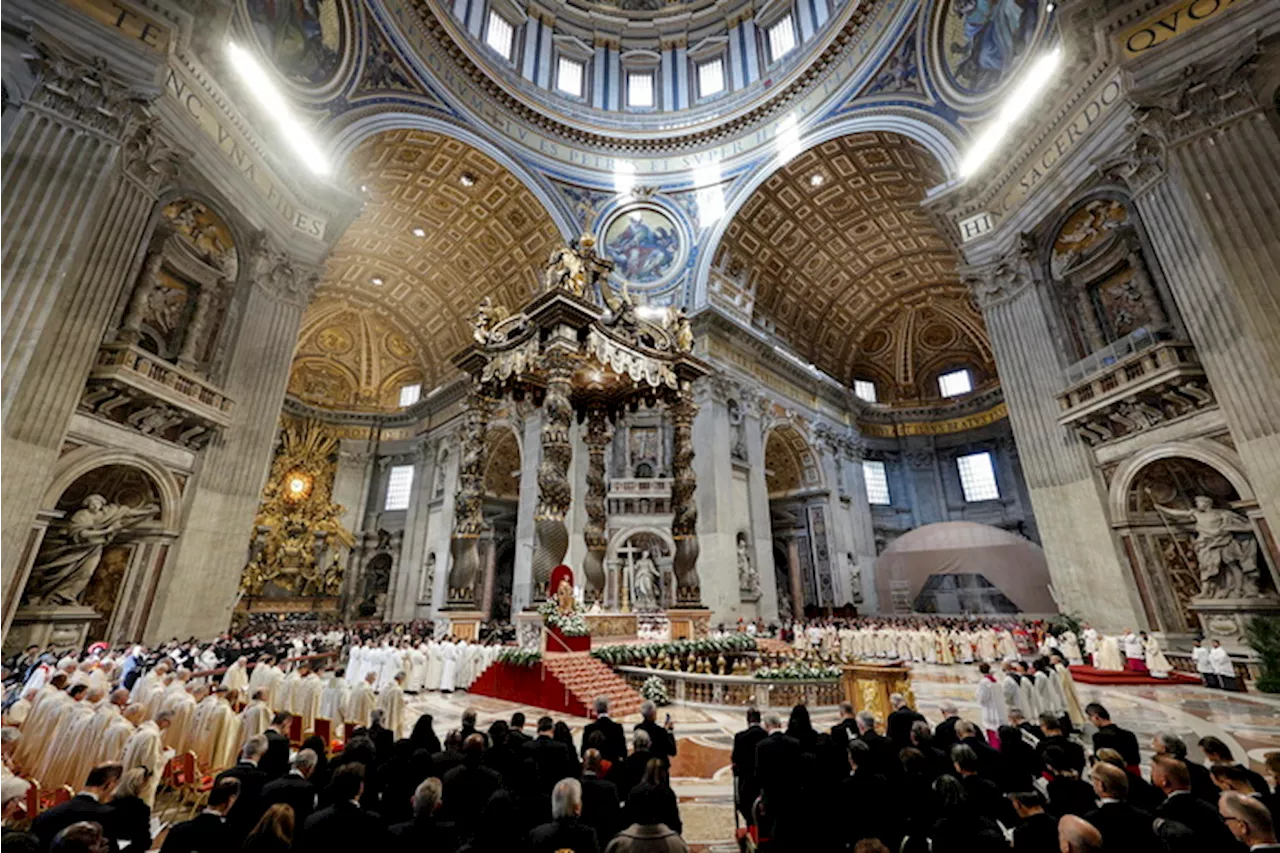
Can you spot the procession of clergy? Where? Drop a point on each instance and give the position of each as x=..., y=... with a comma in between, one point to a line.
x=72, y=720
x=958, y=641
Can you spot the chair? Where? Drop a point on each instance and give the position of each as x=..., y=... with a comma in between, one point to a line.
x=295, y=730
x=59, y=795
x=347, y=730
x=324, y=730
x=32, y=806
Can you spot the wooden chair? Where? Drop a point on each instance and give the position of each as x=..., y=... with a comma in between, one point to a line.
x=324, y=730
x=58, y=796
x=32, y=805
x=347, y=730
x=295, y=730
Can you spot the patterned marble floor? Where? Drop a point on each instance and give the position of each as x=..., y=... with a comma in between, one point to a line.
x=1248, y=723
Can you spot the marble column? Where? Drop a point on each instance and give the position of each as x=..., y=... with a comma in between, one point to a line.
x=468, y=508
x=718, y=519
x=1204, y=165
x=758, y=505
x=81, y=181
x=794, y=573
x=351, y=492
x=198, y=590
x=406, y=582
x=531, y=456
x=684, y=507
x=851, y=525
x=1067, y=496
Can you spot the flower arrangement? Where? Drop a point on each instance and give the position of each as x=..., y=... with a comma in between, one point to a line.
x=520, y=657
x=572, y=624
x=796, y=672
x=655, y=690
x=633, y=655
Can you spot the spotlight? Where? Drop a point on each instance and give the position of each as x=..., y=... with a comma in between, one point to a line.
x=260, y=84
x=376, y=281
x=817, y=180
x=419, y=232
x=1018, y=102
x=467, y=179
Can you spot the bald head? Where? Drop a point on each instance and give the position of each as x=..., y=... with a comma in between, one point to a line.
x=1248, y=819
x=1076, y=835
x=1110, y=782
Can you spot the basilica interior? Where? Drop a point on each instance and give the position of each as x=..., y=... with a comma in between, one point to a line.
x=748, y=312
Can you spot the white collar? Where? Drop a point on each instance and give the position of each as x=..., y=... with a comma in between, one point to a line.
x=1104, y=800
x=91, y=795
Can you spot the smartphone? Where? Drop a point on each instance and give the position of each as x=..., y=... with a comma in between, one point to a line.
x=668, y=719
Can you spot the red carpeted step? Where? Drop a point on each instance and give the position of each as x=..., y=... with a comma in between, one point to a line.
x=1108, y=677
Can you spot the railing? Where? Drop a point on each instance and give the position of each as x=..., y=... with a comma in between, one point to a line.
x=1136, y=341
x=639, y=496
x=126, y=362
x=738, y=690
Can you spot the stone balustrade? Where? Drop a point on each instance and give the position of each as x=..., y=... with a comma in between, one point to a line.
x=140, y=390
x=1141, y=385
x=738, y=690
x=639, y=496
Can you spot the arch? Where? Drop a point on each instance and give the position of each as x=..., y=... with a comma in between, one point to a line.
x=913, y=123
x=797, y=444
x=345, y=141
x=502, y=484
x=79, y=462
x=1218, y=457
x=620, y=538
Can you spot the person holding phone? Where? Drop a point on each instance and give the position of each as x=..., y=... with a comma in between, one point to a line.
x=661, y=737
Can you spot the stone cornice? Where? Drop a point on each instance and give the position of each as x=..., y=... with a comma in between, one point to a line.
x=1005, y=278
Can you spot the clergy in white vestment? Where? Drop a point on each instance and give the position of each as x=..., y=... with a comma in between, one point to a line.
x=145, y=748
x=110, y=744
x=263, y=677
x=435, y=665
x=1010, y=693
x=1070, y=647
x=333, y=699
x=1157, y=664
x=216, y=731
x=1046, y=696
x=1133, y=652
x=1108, y=657
x=47, y=706
x=255, y=717
x=391, y=703
x=449, y=674
x=237, y=675
x=1090, y=636
x=362, y=701
x=417, y=678
x=60, y=760
x=16, y=714
x=148, y=684
x=306, y=698
x=1006, y=645
x=1223, y=668
x=285, y=693
x=986, y=645
x=1067, y=683
x=991, y=700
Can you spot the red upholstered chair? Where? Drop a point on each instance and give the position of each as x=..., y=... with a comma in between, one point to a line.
x=347, y=730
x=58, y=796
x=32, y=805
x=295, y=730
x=324, y=729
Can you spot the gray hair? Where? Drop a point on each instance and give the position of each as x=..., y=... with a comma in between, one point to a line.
x=964, y=729
x=163, y=716
x=641, y=739
x=1172, y=744
x=1016, y=713
x=469, y=717
x=772, y=721
x=427, y=796
x=867, y=719
x=131, y=783
x=376, y=716
x=10, y=734
x=648, y=709
x=897, y=700
x=949, y=708
x=306, y=758
x=602, y=705
x=254, y=747
x=566, y=798
x=1253, y=814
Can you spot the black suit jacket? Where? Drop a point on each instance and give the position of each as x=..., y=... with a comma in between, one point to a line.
x=1121, y=740
x=131, y=821
x=50, y=822
x=615, y=740
x=425, y=834
x=1123, y=827
x=884, y=755
x=1211, y=833
x=662, y=743
x=554, y=761
x=779, y=762
x=1074, y=751
x=204, y=833
x=631, y=772
x=566, y=834
x=601, y=807
x=294, y=791
x=341, y=828
x=944, y=734
x=1037, y=834
x=1068, y=795
x=275, y=761
x=898, y=726
x=744, y=762
x=248, y=807
x=469, y=789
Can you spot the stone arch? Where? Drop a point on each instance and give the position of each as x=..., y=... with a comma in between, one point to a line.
x=1222, y=459
x=85, y=460
x=502, y=462
x=791, y=448
x=620, y=538
x=938, y=139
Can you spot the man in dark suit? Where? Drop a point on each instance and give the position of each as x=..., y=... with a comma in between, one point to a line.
x=425, y=831
x=601, y=806
x=470, y=785
x=275, y=761
x=847, y=729
x=1020, y=722
x=747, y=787
x=468, y=726
x=876, y=812
x=632, y=770
x=988, y=759
x=1037, y=830
x=383, y=738
x=345, y=825
x=937, y=761
x=1209, y=832
x=249, y=806
x=661, y=740
x=884, y=757
x=1109, y=735
x=779, y=765
x=1250, y=821
x=516, y=734
x=552, y=759
x=614, y=747
x=1216, y=752
x=982, y=794
x=90, y=804
x=1202, y=784
x=294, y=788
x=1055, y=737
x=1123, y=827
x=901, y=718
x=944, y=736
x=565, y=833
x=207, y=831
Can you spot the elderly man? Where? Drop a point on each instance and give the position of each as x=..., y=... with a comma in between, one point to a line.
x=565, y=831
x=1208, y=832
x=1249, y=821
x=145, y=748
x=901, y=718
x=1076, y=835
x=1123, y=827
x=294, y=788
x=661, y=738
x=426, y=831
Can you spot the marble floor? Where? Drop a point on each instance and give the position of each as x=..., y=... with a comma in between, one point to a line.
x=1248, y=723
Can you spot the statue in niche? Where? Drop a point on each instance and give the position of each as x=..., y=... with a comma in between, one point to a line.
x=441, y=467
x=1226, y=549
x=748, y=580
x=646, y=584
x=738, y=450
x=855, y=579
x=72, y=551
x=429, y=578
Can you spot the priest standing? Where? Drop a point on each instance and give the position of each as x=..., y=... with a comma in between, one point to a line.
x=362, y=701
x=391, y=703
x=145, y=748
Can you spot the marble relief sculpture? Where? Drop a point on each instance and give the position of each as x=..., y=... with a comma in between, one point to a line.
x=646, y=584
x=1225, y=547
x=748, y=580
x=72, y=551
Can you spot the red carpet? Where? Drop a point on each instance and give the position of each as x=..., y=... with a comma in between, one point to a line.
x=567, y=683
x=1111, y=678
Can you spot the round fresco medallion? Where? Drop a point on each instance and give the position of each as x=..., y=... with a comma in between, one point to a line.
x=399, y=347
x=335, y=340
x=645, y=245
x=305, y=39
x=978, y=44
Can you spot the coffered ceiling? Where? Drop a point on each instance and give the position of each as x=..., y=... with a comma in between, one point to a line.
x=443, y=226
x=843, y=264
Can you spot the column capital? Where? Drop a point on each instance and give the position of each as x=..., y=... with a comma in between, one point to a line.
x=1004, y=278
x=279, y=275
x=151, y=159
x=1203, y=97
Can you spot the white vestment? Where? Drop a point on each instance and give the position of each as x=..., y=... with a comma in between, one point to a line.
x=994, y=713
x=1157, y=663
x=1109, y=654
x=450, y=672
x=333, y=701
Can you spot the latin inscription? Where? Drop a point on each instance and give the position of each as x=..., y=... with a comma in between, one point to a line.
x=1169, y=24
x=128, y=21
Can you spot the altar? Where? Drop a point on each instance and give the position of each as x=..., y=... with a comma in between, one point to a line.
x=868, y=686
x=613, y=624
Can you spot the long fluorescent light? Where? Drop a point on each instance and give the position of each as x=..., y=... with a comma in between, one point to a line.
x=264, y=89
x=711, y=195
x=1017, y=103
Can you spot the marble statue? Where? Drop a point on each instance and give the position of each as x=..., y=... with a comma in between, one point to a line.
x=429, y=580
x=646, y=584
x=486, y=317
x=748, y=581
x=1228, y=562
x=72, y=552
x=564, y=597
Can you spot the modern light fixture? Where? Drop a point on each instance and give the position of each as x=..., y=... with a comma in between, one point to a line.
x=260, y=84
x=817, y=180
x=419, y=232
x=1015, y=104
x=467, y=179
x=376, y=281
x=711, y=195
x=624, y=177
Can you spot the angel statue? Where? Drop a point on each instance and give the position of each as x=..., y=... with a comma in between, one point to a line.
x=71, y=553
x=1228, y=561
x=486, y=318
x=565, y=272
x=681, y=329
